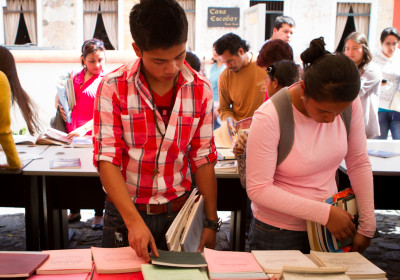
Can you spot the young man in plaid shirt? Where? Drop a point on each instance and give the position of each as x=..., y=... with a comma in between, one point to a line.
x=153, y=126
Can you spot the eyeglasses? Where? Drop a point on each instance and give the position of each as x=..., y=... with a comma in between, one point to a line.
x=92, y=42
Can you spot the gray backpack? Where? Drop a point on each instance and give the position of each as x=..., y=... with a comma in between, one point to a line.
x=283, y=106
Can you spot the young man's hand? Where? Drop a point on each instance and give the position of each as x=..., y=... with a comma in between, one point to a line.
x=140, y=239
x=208, y=239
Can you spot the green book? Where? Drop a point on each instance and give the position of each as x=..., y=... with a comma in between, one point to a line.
x=153, y=272
x=179, y=259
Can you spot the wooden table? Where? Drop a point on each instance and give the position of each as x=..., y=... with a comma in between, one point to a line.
x=22, y=191
x=81, y=188
x=386, y=172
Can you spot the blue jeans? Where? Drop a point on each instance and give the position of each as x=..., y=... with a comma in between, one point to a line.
x=115, y=233
x=389, y=120
x=266, y=237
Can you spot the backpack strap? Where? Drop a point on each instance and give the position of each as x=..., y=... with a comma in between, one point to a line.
x=346, y=117
x=283, y=106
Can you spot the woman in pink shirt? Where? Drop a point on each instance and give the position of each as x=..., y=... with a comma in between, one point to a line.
x=86, y=83
x=285, y=196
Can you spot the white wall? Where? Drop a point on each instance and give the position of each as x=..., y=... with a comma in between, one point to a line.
x=315, y=18
x=206, y=36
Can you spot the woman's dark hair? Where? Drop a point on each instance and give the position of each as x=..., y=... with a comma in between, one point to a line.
x=390, y=31
x=329, y=77
x=232, y=43
x=158, y=24
x=285, y=71
x=91, y=46
x=360, y=38
x=18, y=94
x=193, y=61
x=273, y=51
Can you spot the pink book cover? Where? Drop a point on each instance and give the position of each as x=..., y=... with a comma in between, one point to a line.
x=76, y=276
x=116, y=260
x=118, y=276
x=230, y=261
x=67, y=261
x=20, y=264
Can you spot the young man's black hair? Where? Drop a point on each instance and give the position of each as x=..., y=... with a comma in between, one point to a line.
x=158, y=24
x=193, y=61
x=281, y=20
x=232, y=43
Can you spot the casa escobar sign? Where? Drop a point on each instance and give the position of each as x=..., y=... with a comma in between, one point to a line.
x=223, y=17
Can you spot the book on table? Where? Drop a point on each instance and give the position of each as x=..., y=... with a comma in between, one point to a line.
x=66, y=261
x=185, y=231
x=272, y=261
x=358, y=267
x=179, y=259
x=382, y=153
x=116, y=260
x=325, y=273
x=233, y=265
x=226, y=166
x=82, y=142
x=53, y=136
x=18, y=265
x=320, y=238
x=152, y=272
x=118, y=276
x=65, y=163
x=74, y=276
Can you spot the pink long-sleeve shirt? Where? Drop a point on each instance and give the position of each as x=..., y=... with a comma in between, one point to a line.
x=288, y=195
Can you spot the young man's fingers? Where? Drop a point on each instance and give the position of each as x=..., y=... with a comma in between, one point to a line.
x=153, y=247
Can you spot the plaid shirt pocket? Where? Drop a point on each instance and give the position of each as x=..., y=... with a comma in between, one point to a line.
x=134, y=129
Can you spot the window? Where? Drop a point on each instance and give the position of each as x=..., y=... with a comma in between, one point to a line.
x=351, y=17
x=100, y=21
x=20, y=22
x=189, y=8
x=273, y=9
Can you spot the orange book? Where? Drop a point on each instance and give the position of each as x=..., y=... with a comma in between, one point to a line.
x=67, y=261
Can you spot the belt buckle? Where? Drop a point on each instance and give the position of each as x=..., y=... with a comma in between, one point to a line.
x=148, y=212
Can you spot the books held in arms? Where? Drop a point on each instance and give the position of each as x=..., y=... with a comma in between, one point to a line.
x=320, y=238
x=185, y=231
x=66, y=94
x=65, y=163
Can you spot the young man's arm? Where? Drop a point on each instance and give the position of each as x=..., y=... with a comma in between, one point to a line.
x=139, y=234
x=207, y=185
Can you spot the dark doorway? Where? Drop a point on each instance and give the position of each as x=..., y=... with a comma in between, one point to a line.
x=100, y=33
x=273, y=9
x=22, y=37
x=349, y=28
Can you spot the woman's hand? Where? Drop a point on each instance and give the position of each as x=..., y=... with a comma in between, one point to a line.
x=360, y=243
x=240, y=145
x=340, y=223
x=63, y=114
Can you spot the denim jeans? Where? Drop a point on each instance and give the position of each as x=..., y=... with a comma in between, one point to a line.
x=115, y=233
x=266, y=237
x=389, y=120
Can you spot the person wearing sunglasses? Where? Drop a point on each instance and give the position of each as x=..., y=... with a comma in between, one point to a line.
x=285, y=195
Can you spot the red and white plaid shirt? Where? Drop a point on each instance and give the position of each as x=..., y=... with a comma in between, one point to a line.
x=125, y=133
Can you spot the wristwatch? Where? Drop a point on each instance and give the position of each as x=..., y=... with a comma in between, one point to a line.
x=215, y=225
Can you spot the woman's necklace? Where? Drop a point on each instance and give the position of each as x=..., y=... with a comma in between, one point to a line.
x=156, y=171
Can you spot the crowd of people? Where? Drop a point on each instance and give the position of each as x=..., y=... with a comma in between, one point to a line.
x=153, y=121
